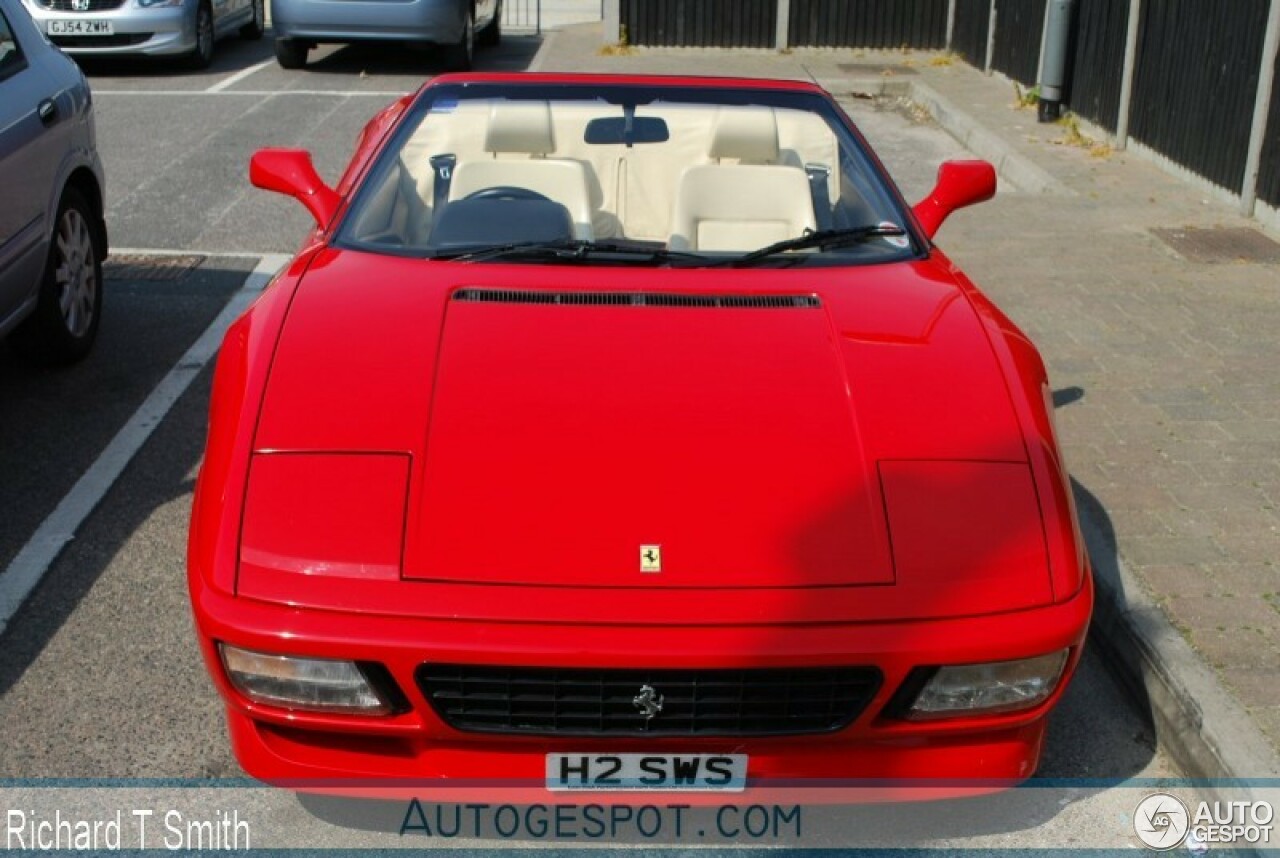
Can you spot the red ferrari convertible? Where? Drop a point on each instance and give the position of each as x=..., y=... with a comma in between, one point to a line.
x=630, y=433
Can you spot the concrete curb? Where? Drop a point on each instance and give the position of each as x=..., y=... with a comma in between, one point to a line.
x=1018, y=169
x=1009, y=163
x=1198, y=722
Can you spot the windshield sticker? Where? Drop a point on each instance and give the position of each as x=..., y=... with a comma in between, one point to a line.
x=899, y=241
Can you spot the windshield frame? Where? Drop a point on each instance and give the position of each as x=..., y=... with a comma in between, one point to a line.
x=849, y=140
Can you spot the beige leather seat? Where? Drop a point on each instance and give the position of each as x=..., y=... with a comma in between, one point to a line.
x=519, y=137
x=743, y=205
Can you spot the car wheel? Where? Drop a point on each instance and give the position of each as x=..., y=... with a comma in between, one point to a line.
x=65, y=321
x=253, y=30
x=291, y=54
x=203, y=53
x=458, y=57
x=492, y=34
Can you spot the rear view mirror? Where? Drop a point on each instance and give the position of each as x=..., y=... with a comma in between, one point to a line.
x=960, y=184
x=290, y=172
x=627, y=129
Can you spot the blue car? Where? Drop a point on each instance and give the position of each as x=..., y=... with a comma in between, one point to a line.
x=52, y=234
x=456, y=26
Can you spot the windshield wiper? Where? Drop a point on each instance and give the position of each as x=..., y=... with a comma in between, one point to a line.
x=570, y=250
x=824, y=239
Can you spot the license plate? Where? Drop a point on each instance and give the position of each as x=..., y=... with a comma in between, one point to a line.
x=642, y=772
x=79, y=27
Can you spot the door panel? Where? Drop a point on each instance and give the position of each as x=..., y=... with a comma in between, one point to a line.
x=27, y=165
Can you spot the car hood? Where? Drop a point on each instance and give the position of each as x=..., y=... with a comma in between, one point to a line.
x=620, y=428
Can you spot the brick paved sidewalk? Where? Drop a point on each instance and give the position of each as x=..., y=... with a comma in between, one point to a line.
x=1167, y=371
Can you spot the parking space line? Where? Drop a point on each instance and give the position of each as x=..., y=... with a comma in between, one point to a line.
x=239, y=76
x=38, y=554
x=212, y=254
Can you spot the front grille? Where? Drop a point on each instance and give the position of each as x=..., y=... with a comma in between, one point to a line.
x=94, y=5
x=601, y=701
x=120, y=40
x=638, y=299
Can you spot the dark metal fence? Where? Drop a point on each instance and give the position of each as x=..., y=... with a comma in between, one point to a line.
x=969, y=35
x=1097, y=65
x=700, y=23
x=1019, y=28
x=1269, y=169
x=1196, y=68
x=521, y=15
x=1195, y=83
x=868, y=23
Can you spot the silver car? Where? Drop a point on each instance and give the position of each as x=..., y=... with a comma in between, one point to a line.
x=52, y=234
x=173, y=28
x=457, y=26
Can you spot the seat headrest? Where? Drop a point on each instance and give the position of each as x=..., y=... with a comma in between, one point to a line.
x=520, y=127
x=749, y=134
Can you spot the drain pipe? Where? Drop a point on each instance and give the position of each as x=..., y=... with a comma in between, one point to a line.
x=1053, y=68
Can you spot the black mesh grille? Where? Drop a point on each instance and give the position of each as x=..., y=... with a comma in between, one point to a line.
x=117, y=41
x=638, y=299
x=594, y=702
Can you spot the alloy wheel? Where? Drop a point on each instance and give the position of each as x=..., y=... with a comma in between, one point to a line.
x=76, y=274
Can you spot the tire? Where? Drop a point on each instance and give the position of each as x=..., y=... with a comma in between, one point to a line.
x=202, y=55
x=252, y=31
x=492, y=34
x=458, y=57
x=291, y=54
x=65, y=322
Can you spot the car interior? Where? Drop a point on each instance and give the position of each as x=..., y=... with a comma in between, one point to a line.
x=683, y=176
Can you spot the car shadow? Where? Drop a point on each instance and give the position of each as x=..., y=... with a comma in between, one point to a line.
x=1110, y=599
x=231, y=54
x=367, y=59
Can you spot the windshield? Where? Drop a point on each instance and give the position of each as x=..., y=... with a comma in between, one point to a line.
x=683, y=176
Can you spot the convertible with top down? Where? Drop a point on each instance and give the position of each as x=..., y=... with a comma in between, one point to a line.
x=631, y=433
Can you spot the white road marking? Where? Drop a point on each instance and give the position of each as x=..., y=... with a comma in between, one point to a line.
x=239, y=76
x=253, y=93
x=53, y=534
x=212, y=254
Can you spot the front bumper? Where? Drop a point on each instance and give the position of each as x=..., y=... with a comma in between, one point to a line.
x=438, y=21
x=165, y=31
x=401, y=753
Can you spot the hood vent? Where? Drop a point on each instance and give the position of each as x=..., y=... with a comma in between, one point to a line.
x=638, y=299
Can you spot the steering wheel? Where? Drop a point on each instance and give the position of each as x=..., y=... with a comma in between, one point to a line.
x=506, y=192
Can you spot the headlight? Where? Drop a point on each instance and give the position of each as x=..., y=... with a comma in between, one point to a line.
x=986, y=689
x=316, y=684
x=151, y=4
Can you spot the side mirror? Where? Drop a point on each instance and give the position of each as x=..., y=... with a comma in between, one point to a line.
x=290, y=171
x=960, y=184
